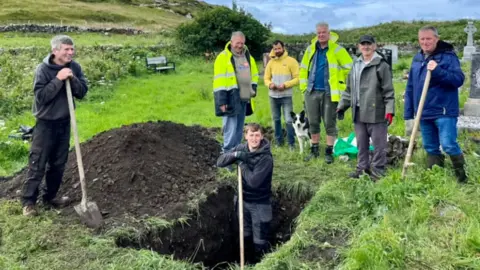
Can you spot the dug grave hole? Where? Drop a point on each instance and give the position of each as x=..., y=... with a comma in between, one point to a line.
x=156, y=184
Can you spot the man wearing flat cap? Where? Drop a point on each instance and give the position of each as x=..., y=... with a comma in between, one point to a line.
x=371, y=95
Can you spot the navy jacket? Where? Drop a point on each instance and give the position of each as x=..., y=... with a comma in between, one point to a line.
x=447, y=77
x=50, y=93
x=256, y=173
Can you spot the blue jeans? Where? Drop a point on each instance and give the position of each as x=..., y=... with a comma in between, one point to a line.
x=233, y=129
x=276, y=105
x=441, y=131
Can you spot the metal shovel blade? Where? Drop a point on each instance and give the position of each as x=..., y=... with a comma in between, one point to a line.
x=90, y=214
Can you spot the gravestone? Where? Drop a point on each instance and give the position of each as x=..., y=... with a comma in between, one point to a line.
x=394, y=49
x=472, y=106
x=470, y=48
x=388, y=56
x=471, y=117
x=300, y=56
x=266, y=58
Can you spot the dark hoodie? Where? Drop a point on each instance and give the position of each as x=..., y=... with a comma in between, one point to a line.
x=447, y=77
x=50, y=93
x=256, y=174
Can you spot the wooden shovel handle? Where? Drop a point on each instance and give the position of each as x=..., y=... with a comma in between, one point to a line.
x=416, y=123
x=78, y=153
x=240, y=214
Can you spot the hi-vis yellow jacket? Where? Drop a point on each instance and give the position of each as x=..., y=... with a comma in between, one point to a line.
x=225, y=87
x=339, y=65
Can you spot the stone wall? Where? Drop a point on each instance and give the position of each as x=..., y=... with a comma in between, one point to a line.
x=33, y=49
x=51, y=28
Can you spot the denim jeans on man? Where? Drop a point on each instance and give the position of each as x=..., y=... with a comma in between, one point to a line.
x=233, y=128
x=441, y=131
x=276, y=105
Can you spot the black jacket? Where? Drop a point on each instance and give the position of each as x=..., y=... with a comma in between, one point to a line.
x=50, y=93
x=256, y=173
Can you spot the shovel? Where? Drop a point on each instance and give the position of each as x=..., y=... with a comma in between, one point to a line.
x=240, y=213
x=416, y=123
x=88, y=211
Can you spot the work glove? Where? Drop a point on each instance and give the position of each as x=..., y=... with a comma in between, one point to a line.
x=389, y=118
x=241, y=156
x=340, y=114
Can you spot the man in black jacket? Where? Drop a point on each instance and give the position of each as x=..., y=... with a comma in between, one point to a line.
x=256, y=165
x=51, y=134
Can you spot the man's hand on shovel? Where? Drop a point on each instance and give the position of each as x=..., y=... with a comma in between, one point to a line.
x=431, y=65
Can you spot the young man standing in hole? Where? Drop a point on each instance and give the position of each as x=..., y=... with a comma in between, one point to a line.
x=255, y=161
x=51, y=134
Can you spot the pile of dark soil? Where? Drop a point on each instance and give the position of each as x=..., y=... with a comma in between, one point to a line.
x=148, y=169
x=158, y=169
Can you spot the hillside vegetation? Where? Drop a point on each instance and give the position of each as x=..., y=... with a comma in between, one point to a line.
x=395, y=31
x=100, y=13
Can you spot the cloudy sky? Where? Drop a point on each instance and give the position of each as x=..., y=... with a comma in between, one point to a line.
x=300, y=16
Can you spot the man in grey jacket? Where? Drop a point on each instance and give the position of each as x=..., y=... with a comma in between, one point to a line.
x=51, y=134
x=371, y=95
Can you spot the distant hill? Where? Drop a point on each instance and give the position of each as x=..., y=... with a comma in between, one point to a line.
x=396, y=31
x=150, y=15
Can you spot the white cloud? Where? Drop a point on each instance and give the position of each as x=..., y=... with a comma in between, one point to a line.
x=297, y=17
x=277, y=29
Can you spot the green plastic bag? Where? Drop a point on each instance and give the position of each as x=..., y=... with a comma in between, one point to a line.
x=345, y=147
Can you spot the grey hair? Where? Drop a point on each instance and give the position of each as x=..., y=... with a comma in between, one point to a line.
x=429, y=28
x=238, y=34
x=322, y=24
x=57, y=41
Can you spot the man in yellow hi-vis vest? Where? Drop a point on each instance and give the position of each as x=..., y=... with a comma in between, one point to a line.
x=234, y=84
x=323, y=74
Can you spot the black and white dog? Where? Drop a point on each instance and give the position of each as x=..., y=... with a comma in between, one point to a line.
x=300, y=125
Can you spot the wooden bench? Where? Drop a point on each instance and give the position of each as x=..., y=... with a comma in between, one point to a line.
x=159, y=63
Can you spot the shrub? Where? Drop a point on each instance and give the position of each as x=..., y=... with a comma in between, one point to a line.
x=212, y=29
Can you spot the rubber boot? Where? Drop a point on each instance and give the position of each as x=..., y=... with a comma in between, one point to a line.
x=314, y=152
x=458, y=162
x=329, y=154
x=249, y=250
x=260, y=250
x=438, y=160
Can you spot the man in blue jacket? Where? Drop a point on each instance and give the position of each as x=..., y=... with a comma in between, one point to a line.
x=438, y=123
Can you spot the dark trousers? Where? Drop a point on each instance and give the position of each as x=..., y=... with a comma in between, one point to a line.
x=257, y=218
x=378, y=132
x=48, y=156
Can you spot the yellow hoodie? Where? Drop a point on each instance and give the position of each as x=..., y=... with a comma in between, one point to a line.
x=281, y=70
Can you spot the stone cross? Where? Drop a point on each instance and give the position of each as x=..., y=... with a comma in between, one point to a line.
x=470, y=29
x=469, y=48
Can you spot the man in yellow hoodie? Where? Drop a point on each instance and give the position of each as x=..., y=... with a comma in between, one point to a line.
x=281, y=74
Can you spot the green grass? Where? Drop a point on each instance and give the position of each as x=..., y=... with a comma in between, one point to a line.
x=426, y=221
x=19, y=40
x=71, y=12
